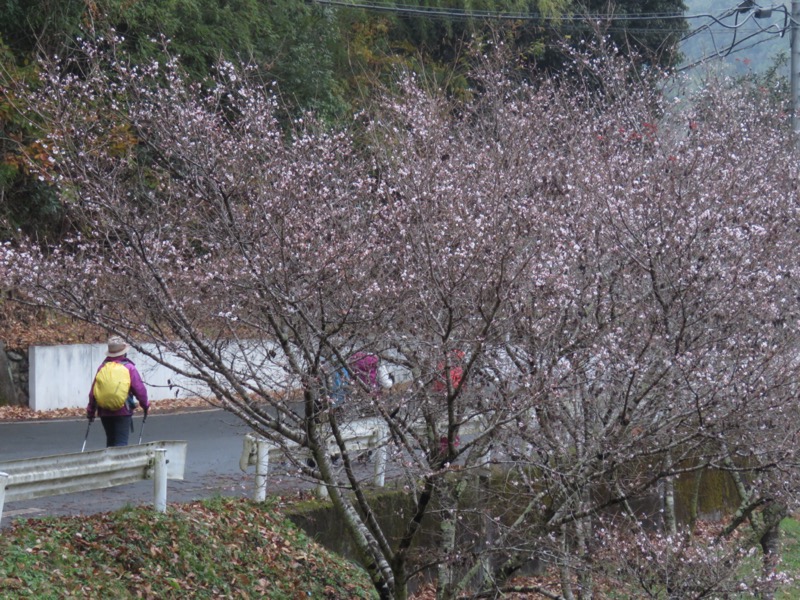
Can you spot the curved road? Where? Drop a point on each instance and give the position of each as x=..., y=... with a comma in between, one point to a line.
x=212, y=460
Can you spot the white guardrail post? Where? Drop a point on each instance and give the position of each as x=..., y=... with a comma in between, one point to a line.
x=3, y=482
x=262, y=469
x=365, y=435
x=382, y=436
x=255, y=451
x=31, y=478
x=160, y=480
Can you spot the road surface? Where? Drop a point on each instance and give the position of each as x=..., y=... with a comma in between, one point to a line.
x=212, y=460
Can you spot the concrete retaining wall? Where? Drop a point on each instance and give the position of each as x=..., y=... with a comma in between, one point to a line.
x=61, y=376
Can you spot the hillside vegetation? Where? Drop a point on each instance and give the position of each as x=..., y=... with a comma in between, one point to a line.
x=320, y=58
x=222, y=548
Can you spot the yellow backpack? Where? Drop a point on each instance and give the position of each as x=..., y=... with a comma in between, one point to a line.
x=112, y=385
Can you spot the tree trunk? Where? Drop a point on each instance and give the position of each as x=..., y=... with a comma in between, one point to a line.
x=447, y=588
x=383, y=574
x=565, y=571
x=447, y=546
x=583, y=529
x=771, y=546
x=670, y=522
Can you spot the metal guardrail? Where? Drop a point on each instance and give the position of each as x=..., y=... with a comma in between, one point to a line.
x=31, y=478
x=364, y=435
x=359, y=436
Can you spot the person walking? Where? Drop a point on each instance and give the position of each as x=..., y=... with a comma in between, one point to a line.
x=116, y=388
x=371, y=372
x=453, y=368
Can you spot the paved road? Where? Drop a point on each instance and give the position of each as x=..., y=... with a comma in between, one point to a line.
x=212, y=463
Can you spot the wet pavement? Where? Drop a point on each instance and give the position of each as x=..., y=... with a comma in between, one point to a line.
x=214, y=444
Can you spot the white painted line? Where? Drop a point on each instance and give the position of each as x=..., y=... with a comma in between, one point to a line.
x=22, y=511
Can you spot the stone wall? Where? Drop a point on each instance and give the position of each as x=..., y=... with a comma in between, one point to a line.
x=14, y=376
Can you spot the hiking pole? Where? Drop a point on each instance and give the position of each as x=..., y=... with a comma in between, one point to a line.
x=142, y=428
x=87, y=435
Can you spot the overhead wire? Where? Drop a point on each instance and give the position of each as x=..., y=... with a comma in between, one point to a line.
x=487, y=14
x=577, y=22
x=718, y=20
x=736, y=44
x=452, y=12
x=723, y=54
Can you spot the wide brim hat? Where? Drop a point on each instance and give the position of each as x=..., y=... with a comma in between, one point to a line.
x=116, y=347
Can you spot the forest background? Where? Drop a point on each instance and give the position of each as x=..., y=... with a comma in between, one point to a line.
x=329, y=57
x=319, y=56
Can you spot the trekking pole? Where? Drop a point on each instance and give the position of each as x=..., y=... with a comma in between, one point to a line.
x=87, y=436
x=142, y=428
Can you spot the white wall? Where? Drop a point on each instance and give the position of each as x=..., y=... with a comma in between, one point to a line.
x=61, y=376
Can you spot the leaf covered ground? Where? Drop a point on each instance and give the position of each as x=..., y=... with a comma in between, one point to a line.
x=220, y=548
x=23, y=413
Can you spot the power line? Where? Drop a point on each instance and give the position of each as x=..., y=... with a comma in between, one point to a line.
x=614, y=22
x=574, y=22
x=453, y=12
x=724, y=53
x=739, y=34
x=502, y=15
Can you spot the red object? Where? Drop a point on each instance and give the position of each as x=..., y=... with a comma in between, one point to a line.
x=456, y=372
x=443, y=443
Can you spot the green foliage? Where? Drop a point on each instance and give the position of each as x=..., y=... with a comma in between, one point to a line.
x=221, y=547
x=25, y=202
x=446, y=44
x=790, y=559
x=653, y=40
x=442, y=42
x=443, y=39
x=291, y=42
x=46, y=25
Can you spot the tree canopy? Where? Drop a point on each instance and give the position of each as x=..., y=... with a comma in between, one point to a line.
x=319, y=57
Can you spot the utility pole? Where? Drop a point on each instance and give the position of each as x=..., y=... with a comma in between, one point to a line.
x=794, y=80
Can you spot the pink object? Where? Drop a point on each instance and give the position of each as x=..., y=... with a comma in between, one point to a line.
x=443, y=443
x=365, y=367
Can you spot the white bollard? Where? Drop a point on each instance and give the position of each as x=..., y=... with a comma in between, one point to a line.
x=3, y=481
x=160, y=480
x=262, y=469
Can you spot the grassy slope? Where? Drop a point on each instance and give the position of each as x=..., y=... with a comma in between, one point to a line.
x=221, y=548
x=790, y=562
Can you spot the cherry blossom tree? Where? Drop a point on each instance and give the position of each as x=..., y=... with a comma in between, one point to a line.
x=584, y=285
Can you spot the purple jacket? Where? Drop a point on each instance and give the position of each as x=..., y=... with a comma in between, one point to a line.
x=365, y=367
x=137, y=389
